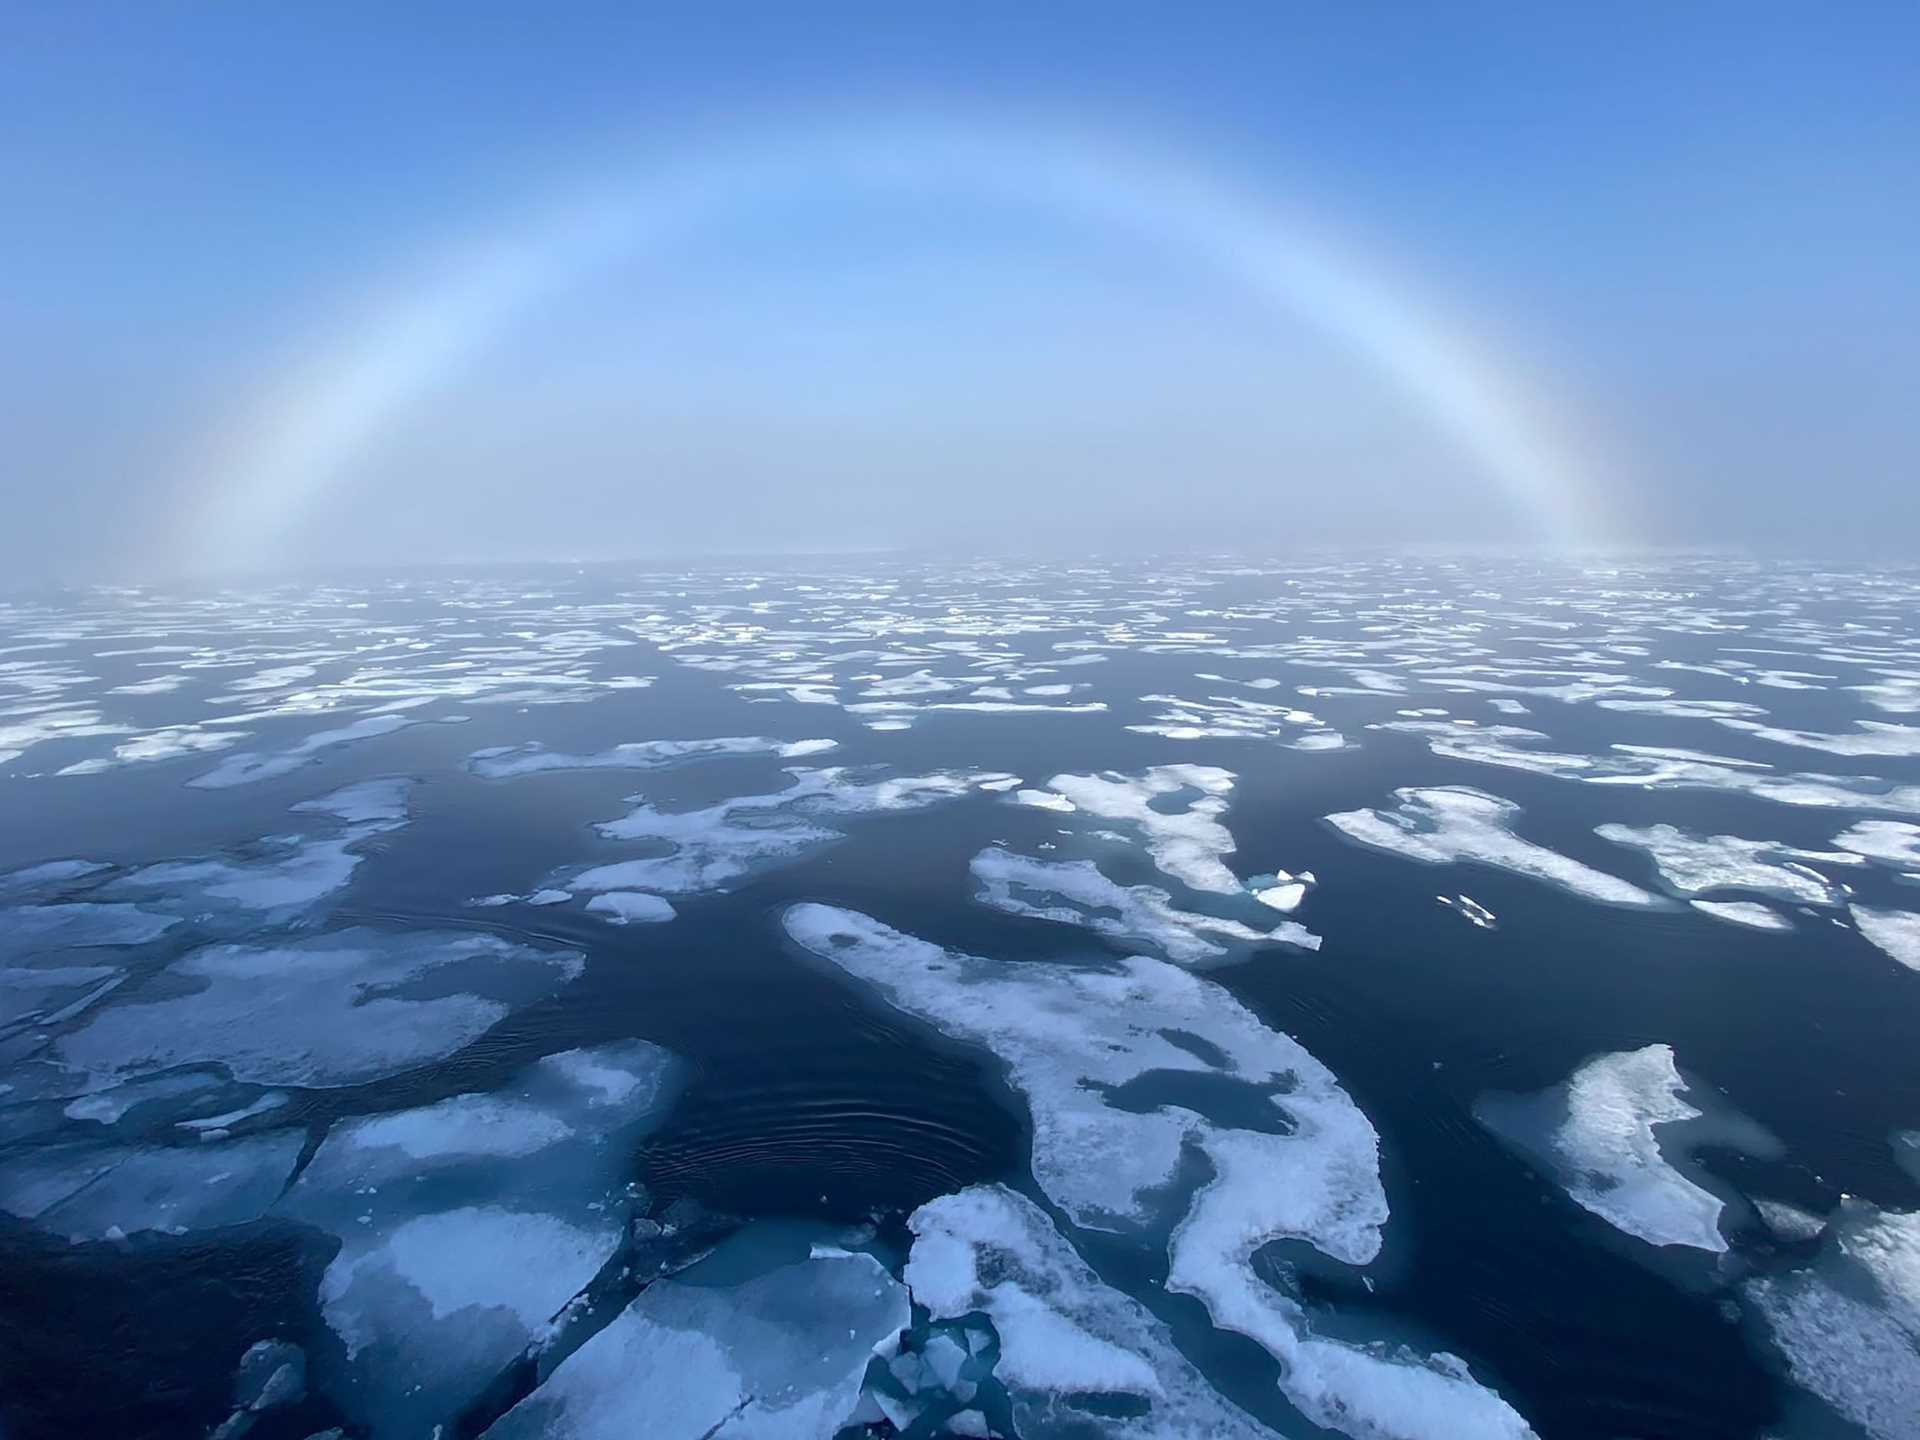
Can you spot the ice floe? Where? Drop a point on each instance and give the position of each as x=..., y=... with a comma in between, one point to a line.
x=1691, y=864
x=1595, y=1134
x=1455, y=824
x=532, y=758
x=1897, y=932
x=1887, y=842
x=1188, y=844
x=247, y=767
x=1074, y=892
x=628, y=907
x=781, y=1354
x=335, y=1009
x=1749, y=913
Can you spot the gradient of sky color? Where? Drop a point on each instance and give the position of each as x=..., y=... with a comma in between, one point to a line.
x=1694, y=226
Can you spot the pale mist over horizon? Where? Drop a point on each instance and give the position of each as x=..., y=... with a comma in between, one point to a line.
x=306, y=290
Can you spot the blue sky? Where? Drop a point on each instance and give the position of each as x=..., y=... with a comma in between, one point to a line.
x=1694, y=226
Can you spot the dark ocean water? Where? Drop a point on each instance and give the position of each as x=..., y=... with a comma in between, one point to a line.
x=803, y=1095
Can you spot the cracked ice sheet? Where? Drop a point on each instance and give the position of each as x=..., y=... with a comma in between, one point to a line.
x=532, y=758
x=1070, y=1036
x=1692, y=864
x=1074, y=892
x=1062, y=1330
x=322, y=1011
x=1595, y=1136
x=1848, y=1325
x=780, y=1356
x=1188, y=844
x=714, y=846
x=1454, y=824
x=426, y=1201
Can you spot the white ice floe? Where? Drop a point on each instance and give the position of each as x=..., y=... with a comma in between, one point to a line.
x=1081, y=1043
x=1226, y=717
x=1872, y=737
x=27, y=930
x=1074, y=892
x=169, y=742
x=629, y=907
x=779, y=1356
x=47, y=876
x=1045, y=800
x=1886, y=842
x=1595, y=1135
x=532, y=758
x=334, y=1009
x=370, y=805
x=86, y=1192
x=426, y=1202
x=1190, y=843
x=1750, y=913
x=1848, y=1326
x=1897, y=932
x=1282, y=890
x=711, y=847
x=1691, y=864
x=1064, y=1333
x=1454, y=824
x=247, y=767
x=1476, y=914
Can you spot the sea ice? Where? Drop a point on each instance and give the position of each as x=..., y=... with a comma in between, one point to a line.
x=1595, y=1134
x=1691, y=864
x=1074, y=892
x=1887, y=842
x=1064, y=1333
x=1453, y=824
x=247, y=767
x=532, y=758
x=779, y=1356
x=86, y=1192
x=1749, y=913
x=628, y=907
x=1897, y=932
x=335, y=1009
x=1188, y=844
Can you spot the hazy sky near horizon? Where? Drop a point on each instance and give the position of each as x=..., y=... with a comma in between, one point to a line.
x=292, y=284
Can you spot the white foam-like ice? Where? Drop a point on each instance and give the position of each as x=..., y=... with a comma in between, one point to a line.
x=247, y=767
x=1692, y=864
x=1063, y=1331
x=532, y=758
x=1188, y=844
x=1454, y=824
x=1074, y=892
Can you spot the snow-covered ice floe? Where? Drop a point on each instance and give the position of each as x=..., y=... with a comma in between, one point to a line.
x=711, y=847
x=1065, y=1335
x=1692, y=864
x=247, y=767
x=1074, y=892
x=532, y=758
x=778, y=1356
x=1848, y=1325
x=1126, y=1069
x=1896, y=932
x=1189, y=844
x=1453, y=824
x=1894, y=843
x=1596, y=1135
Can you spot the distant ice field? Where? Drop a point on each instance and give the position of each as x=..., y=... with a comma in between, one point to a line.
x=1398, y=998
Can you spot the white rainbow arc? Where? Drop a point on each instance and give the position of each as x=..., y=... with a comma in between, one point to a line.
x=303, y=436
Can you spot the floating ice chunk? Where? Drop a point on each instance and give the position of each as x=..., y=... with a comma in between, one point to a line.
x=538, y=897
x=1000, y=783
x=426, y=1201
x=532, y=758
x=26, y=930
x=288, y=873
x=1750, y=913
x=628, y=907
x=107, y=1107
x=1510, y=707
x=1074, y=892
x=1187, y=844
x=336, y=1009
x=1889, y=842
x=166, y=743
x=1897, y=932
x=272, y=1374
x=1045, y=800
x=1692, y=864
x=370, y=805
x=31, y=995
x=1476, y=913
x=1790, y=1222
x=1454, y=824
x=48, y=875
x=1282, y=891
x=1595, y=1134
x=1063, y=1332
x=1073, y=1037
x=1849, y=1325
x=780, y=1356
x=1873, y=737
x=89, y=1192
x=714, y=846
x=266, y=1104
x=245, y=768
